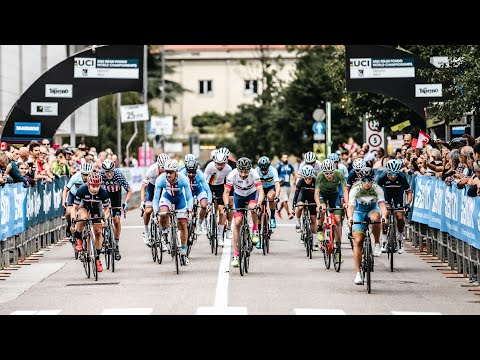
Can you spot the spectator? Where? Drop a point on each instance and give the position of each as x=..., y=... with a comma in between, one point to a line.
x=23, y=151
x=24, y=169
x=381, y=159
x=9, y=172
x=407, y=140
x=369, y=156
x=60, y=166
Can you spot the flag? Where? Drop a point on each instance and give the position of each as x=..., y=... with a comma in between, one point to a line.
x=414, y=143
x=347, y=146
x=423, y=139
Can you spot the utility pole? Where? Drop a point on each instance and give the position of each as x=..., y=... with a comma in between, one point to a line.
x=119, y=129
x=145, y=94
x=162, y=139
x=329, y=129
x=70, y=52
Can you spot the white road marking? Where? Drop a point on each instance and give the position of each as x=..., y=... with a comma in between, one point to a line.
x=230, y=310
x=319, y=312
x=414, y=313
x=285, y=225
x=221, y=292
x=133, y=227
x=36, y=312
x=127, y=311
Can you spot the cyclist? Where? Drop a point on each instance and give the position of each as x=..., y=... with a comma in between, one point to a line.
x=247, y=190
x=336, y=160
x=233, y=164
x=147, y=192
x=326, y=191
x=354, y=174
x=113, y=180
x=305, y=190
x=309, y=159
x=69, y=192
x=173, y=188
x=91, y=200
x=199, y=188
x=285, y=170
x=216, y=174
x=394, y=184
x=365, y=199
x=271, y=186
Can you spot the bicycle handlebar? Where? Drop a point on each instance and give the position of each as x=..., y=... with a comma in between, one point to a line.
x=88, y=219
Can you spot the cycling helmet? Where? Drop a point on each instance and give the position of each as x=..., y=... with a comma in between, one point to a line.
x=244, y=164
x=367, y=172
x=191, y=165
x=220, y=158
x=189, y=157
x=264, y=163
x=162, y=159
x=108, y=165
x=328, y=165
x=334, y=157
x=310, y=157
x=224, y=150
x=212, y=154
x=171, y=165
x=86, y=168
x=393, y=166
x=359, y=164
x=94, y=179
x=459, y=142
x=307, y=171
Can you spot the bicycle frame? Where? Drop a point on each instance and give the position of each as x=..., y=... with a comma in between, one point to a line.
x=264, y=228
x=306, y=234
x=245, y=245
x=330, y=229
x=392, y=232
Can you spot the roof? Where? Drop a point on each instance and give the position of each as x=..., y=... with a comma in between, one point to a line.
x=214, y=47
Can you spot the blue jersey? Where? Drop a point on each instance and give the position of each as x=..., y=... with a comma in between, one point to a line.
x=75, y=182
x=198, y=184
x=270, y=178
x=181, y=187
x=116, y=183
x=84, y=196
x=284, y=172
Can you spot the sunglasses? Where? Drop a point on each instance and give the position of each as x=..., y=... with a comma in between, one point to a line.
x=169, y=171
x=109, y=172
x=45, y=143
x=391, y=173
x=190, y=172
x=328, y=173
x=366, y=180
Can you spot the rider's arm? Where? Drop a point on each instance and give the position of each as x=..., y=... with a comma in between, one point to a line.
x=64, y=195
x=159, y=185
x=125, y=185
x=343, y=183
x=184, y=182
x=351, y=201
x=298, y=188
x=142, y=192
x=228, y=186
x=261, y=193
x=276, y=180
x=205, y=186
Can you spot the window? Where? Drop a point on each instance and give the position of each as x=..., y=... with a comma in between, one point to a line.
x=205, y=87
x=251, y=87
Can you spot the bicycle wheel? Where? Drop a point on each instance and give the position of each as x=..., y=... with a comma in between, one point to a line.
x=327, y=257
x=113, y=247
x=92, y=253
x=106, y=247
x=309, y=238
x=264, y=237
x=241, y=251
x=246, y=250
x=368, y=253
x=337, y=249
x=84, y=257
x=175, y=252
x=191, y=234
x=153, y=247
x=213, y=233
x=158, y=245
x=391, y=244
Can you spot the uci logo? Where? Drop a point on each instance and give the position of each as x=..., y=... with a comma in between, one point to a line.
x=84, y=62
x=360, y=63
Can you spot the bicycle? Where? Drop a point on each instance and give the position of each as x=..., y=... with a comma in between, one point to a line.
x=306, y=236
x=245, y=245
x=109, y=245
x=391, y=246
x=367, y=253
x=155, y=242
x=329, y=246
x=264, y=229
x=174, y=246
x=192, y=225
x=88, y=240
x=212, y=227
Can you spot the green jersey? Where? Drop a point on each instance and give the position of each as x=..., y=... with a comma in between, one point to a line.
x=330, y=186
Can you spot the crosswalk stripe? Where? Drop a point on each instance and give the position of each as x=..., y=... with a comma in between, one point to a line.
x=414, y=313
x=319, y=312
x=36, y=312
x=127, y=311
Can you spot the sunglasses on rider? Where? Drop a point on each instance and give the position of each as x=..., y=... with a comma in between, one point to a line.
x=392, y=173
x=327, y=173
x=169, y=171
x=367, y=179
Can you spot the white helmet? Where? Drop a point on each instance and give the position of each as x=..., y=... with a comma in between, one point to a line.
x=220, y=158
x=307, y=171
x=359, y=164
x=189, y=157
x=162, y=159
x=224, y=150
x=171, y=165
x=86, y=168
x=328, y=165
x=310, y=157
x=108, y=165
x=393, y=166
x=212, y=153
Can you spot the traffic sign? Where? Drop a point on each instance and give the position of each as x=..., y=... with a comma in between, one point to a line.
x=319, y=137
x=137, y=112
x=319, y=115
x=319, y=128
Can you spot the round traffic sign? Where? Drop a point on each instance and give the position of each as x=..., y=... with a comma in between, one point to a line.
x=373, y=125
x=375, y=140
x=318, y=128
x=319, y=115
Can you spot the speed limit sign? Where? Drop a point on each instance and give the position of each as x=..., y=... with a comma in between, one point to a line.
x=374, y=136
x=375, y=140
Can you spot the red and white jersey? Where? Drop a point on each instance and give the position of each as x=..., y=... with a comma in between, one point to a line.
x=215, y=177
x=151, y=175
x=243, y=187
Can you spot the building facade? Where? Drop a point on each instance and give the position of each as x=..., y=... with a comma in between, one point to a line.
x=219, y=77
